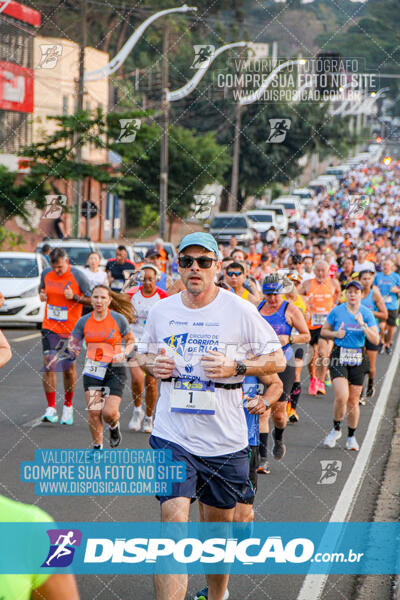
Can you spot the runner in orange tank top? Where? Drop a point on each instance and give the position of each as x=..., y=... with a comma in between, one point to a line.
x=321, y=295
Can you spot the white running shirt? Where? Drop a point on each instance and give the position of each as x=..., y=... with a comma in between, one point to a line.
x=228, y=324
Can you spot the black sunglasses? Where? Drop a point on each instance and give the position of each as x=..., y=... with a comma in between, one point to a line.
x=204, y=262
x=237, y=273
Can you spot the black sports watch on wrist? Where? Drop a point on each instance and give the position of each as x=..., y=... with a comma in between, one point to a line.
x=240, y=368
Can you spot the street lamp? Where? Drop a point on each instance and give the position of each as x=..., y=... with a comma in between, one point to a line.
x=122, y=55
x=168, y=97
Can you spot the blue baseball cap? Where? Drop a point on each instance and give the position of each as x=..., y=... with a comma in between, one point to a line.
x=355, y=283
x=199, y=238
x=272, y=285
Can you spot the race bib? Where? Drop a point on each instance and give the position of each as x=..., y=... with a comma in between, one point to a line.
x=387, y=299
x=317, y=319
x=95, y=368
x=350, y=356
x=57, y=313
x=192, y=397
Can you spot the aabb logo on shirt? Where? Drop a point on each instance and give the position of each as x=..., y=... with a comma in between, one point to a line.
x=62, y=547
x=177, y=342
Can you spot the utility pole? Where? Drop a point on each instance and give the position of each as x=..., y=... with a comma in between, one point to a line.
x=78, y=185
x=233, y=199
x=164, y=137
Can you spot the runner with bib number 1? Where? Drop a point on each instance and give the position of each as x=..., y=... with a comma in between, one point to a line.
x=348, y=325
x=104, y=374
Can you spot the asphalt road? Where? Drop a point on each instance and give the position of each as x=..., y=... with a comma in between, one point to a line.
x=289, y=493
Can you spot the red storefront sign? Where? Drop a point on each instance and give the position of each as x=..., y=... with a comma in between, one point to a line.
x=16, y=88
x=20, y=12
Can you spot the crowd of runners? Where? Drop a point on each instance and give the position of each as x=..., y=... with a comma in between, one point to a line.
x=222, y=353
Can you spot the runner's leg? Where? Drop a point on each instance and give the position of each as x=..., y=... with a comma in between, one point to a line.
x=167, y=586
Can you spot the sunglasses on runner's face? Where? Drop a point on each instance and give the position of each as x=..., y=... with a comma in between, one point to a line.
x=204, y=262
x=232, y=273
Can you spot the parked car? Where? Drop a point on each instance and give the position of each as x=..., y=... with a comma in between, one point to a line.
x=281, y=217
x=318, y=186
x=262, y=220
x=331, y=181
x=339, y=171
x=140, y=248
x=20, y=274
x=305, y=194
x=292, y=206
x=108, y=250
x=77, y=249
x=225, y=225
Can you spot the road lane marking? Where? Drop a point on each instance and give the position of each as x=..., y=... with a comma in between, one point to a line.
x=26, y=337
x=33, y=423
x=313, y=585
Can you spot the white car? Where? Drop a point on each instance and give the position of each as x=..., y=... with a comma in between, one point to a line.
x=292, y=206
x=78, y=249
x=305, y=194
x=281, y=217
x=108, y=250
x=20, y=274
x=262, y=220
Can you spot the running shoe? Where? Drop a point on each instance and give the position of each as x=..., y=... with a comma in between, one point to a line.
x=50, y=416
x=137, y=418
x=312, y=389
x=67, y=415
x=263, y=468
x=320, y=387
x=278, y=449
x=293, y=416
x=381, y=348
x=328, y=380
x=203, y=594
x=288, y=407
x=115, y=436
x=333, y=436
x=97, y=446
x=388, y=349
x=147, y=425
x=362, y=401
x=352, y=444
x=370, y=388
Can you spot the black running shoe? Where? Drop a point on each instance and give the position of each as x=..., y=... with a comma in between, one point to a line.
x=115, y=436
x=279, y=448
x=370, y=388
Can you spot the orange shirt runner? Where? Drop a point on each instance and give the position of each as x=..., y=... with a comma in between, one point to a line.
x=62, y=314
x=321, y=301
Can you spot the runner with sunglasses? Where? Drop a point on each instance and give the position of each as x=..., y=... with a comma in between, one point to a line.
x=283, y=317
x=201, y=359
x=372, y=299
x=108, y=340
x=235, y=278
x=348, y=325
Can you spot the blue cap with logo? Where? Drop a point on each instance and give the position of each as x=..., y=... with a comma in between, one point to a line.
x=199, y=238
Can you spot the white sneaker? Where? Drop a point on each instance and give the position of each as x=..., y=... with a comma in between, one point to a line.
x=136, y=422
x=332, y=437
x=352, y=444
x=67, y=416
x=50, y=416
x=147, y=425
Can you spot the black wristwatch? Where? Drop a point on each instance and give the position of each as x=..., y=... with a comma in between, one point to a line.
x=240, y=368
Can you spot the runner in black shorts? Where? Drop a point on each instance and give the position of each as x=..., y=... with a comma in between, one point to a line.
x=348, y=325
x=104, y=377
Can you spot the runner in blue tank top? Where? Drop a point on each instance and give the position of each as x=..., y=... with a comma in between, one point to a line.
x=283, y=317
x=348, y=325
x=372, y=299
